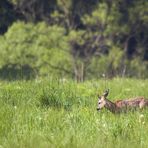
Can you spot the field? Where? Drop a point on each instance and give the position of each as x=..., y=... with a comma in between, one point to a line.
x=62, y=114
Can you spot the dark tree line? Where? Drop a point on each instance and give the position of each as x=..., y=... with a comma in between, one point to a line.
x=124, y=24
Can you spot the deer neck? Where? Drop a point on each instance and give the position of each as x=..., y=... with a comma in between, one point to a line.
x=111, y=106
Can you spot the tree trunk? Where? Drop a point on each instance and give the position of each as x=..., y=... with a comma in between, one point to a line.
x=79, y=71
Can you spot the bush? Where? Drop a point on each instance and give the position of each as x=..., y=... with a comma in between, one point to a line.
x=37, y=48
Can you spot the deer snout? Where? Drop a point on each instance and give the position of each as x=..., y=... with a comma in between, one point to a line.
x=98, y=109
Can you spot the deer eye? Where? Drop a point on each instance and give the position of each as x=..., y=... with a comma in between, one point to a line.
x=99, y=102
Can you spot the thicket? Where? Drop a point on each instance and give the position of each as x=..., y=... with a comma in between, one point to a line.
x=73, y=39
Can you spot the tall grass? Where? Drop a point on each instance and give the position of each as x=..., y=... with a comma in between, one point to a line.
x=53, y=113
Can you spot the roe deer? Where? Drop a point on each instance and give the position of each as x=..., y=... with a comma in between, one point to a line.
x=121, y=105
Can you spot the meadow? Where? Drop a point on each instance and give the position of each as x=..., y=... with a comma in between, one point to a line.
x=62, y=114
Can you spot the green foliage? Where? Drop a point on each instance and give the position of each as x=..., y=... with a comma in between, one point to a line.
x=139, y=12
x=108, y=65
x=40, y=47
x=137, y=68
x=98, y=16
x=80, y=39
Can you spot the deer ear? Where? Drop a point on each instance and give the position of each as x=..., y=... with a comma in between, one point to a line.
x=105, y=94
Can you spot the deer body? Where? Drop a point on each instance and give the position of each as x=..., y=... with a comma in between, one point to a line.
x=121, y=105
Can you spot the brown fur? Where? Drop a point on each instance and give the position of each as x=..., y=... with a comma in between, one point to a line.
x=133, y=102
x=121, y=105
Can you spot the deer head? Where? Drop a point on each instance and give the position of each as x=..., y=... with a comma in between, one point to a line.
x=102, y=100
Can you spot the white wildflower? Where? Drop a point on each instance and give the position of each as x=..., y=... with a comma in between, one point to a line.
x=141, y=119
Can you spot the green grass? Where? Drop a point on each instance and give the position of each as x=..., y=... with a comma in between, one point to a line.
x=51, y=113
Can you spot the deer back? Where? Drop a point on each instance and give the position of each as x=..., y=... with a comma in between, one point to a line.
x=132, y=102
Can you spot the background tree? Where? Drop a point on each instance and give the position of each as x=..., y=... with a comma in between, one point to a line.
x=7, y=15
x=36, y=10
x=81, y=39
x=29, y=50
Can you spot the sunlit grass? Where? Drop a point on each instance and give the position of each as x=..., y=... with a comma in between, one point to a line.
x=60, y=114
